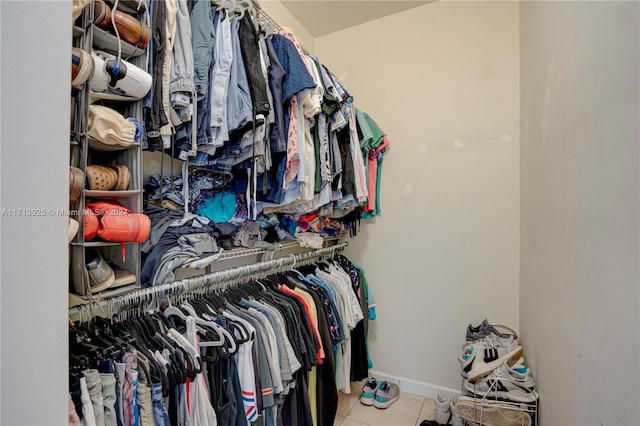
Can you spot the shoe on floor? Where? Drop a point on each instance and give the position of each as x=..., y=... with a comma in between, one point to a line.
x=369, y=391
x=443, y=410
x=456, y=420
x=387, y=394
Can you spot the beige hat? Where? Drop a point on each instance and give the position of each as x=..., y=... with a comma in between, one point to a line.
x=110, y=127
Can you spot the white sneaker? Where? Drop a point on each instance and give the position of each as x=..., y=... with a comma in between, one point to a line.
x=480, y=359
x=495, y=341
x=505, y=383
x=456, y=420
x=443, y=410
x=490, y=413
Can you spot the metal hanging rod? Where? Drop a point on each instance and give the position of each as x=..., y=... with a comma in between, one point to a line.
x=191, y=287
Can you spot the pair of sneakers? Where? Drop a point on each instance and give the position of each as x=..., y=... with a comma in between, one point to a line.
x=380, y=394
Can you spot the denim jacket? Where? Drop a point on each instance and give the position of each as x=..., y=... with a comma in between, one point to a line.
x=203, y=41
x=219, y=83
x=239, y=105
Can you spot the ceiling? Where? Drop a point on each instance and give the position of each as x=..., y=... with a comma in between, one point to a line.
x=321, y=17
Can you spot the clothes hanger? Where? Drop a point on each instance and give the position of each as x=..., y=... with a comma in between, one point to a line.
x=141, y=340
x=205, y=326
x=231, y=344
x=182, y=362
x=210, y=314
x=184, y=343
x=223, y=5
x=243, y=335
x=173, y=311
x=239, y=9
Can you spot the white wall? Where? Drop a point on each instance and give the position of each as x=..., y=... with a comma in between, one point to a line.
x=579, y=298
x=34, y=174
x=442, y=81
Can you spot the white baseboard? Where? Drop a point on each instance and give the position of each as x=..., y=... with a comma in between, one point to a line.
x=415, y=387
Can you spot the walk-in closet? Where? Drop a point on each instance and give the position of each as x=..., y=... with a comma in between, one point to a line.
x=432, y=218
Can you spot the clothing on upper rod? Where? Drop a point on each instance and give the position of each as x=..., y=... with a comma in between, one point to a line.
x=228, y=355
x=263, y=109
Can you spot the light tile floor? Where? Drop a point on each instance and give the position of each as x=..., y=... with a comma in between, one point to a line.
x=409, y=410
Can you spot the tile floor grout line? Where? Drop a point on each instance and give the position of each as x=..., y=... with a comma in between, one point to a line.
x=424, y=400
x=357, y=402
x=351, y=409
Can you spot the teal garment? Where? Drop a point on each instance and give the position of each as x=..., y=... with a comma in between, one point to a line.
x=371, y=134
x=220, y=207
x=377, y=209
x=371, y=138
x=367, y=135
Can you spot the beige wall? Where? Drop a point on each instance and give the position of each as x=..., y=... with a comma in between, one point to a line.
x=283, y=17
x=579, y=184
x=442, y=81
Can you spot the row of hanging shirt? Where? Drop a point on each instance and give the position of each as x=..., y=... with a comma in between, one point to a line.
x=231, y=96
x=282, y=347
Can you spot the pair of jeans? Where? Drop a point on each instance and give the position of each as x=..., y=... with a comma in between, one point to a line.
x=108, y=381
x=159, y=410
x=220, y=83
x=94, y=386
x=253, y=64
x=119, y=405
x=76, y=393
x=203, y=38
x=88, y=415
